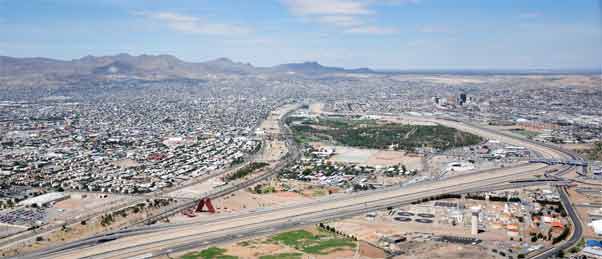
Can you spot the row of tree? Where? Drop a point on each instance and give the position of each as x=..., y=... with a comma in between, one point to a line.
x=333, y=230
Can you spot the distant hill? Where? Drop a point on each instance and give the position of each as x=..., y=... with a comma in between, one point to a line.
x=157, y=64
x=34, y=72
x=316, y=68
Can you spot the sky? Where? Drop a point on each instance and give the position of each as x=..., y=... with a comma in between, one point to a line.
x=381, y=34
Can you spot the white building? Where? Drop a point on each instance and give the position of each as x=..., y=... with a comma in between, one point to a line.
x=597, y=226
x=45, y=199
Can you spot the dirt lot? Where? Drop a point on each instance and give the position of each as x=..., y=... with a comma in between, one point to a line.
x=196, y=190
x=371, y=231
x=244, y=200
x=577, y=146
x=257, y=250
x=438, y=250
x=81, y=204
x=316, y=108
x=375, y=157
x=274, y=150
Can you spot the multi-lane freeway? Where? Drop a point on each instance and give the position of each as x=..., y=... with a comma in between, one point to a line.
x=153, y=241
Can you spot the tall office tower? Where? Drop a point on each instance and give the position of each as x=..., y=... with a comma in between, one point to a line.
x=462, y=99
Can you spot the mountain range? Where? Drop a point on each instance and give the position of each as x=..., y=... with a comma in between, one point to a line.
x=150, y=66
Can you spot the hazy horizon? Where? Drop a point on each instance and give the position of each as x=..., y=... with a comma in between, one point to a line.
x=583, y=70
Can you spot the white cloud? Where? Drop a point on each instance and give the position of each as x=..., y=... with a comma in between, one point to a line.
x=530, y=15
x=327, y=7
x=372, y=30
x=397, y=2
x=436, y=29
x=341, y=20
x=195, y=25
x=348, y=15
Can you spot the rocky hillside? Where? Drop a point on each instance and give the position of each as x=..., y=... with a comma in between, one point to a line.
x=35, y=72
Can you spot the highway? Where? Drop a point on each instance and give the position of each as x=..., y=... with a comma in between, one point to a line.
x=153, y=241
x=165, y=193
x=577, y=231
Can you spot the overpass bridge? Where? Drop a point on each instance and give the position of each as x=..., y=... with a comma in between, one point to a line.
x=572, y=162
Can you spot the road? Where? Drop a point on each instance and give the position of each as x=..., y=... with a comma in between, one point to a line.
x=577, y=229
x=170, y=192
x=158, y=240
x=292, y=155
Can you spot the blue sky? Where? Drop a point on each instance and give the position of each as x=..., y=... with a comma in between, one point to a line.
x=391, y=34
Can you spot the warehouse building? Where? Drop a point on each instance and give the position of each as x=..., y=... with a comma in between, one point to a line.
x=45, y=199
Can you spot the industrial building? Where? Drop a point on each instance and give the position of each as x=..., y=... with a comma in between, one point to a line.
x=45, y=199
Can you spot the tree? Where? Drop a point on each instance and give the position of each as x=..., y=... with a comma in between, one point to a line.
x=560, y=254
x=106, y=220
x=562, y=236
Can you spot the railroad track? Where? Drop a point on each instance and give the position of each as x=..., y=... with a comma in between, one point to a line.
x=339, y=212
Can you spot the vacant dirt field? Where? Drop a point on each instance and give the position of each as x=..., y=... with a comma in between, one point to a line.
x=375, y=157
x=443, y=251
x=316, y=108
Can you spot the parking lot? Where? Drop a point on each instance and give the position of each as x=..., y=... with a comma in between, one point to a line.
x=24, y=217
x=458, y=240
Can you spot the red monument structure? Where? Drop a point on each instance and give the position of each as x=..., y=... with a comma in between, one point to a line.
x=205, y=202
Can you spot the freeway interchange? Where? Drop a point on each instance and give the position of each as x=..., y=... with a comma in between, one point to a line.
x=160, y=240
